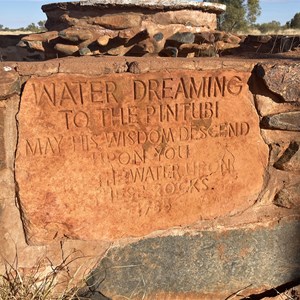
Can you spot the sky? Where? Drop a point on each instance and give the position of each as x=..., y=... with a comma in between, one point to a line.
x=20, y=13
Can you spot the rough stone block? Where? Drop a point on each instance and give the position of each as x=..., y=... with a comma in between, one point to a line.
x=2, y=144
x=182, y=38
x=210, y=264
x=288, y=197
x=9, y=81
x=66, y=49
x=138, y=152
x=285, y=121
x=266, y=106
x=118, y=21
x=92, y=66
x=38, y=68
x=290, y=160
x=43, y=37
x=187, y=17
x=282, y=79
x=279, y=136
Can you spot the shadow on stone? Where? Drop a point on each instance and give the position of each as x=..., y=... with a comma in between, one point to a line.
x=274, y=291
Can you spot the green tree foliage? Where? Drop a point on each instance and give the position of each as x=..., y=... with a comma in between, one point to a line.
x=32, y=27
x=273, y=26
x=253, y=11
x=40, y=26
x=239, y=15
x=234, y=17
x=295, y=21
x=2, y=28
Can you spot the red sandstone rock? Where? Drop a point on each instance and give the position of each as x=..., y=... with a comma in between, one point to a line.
x=3, y=163
x=103, y=40
x=288, y=197
x=43, y=37
x=83, y=22
x=9, y=81
x=290, y=159
x=279, y=136
x=118, y=21
x=129, y=33
x=36, y=45
x=66, y=49
x=266, y=106
x=85, y=51
x=125, y=155
x=118, y=51
x=282, y=79
x=231, y=38
x=220, y=45
x=204, y=37
x=197, y=50
x=150, y=45
x=187, y=17
x=76, y=34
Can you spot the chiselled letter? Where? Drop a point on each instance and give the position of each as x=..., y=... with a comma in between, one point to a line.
x=45, y=94
x=139, y=90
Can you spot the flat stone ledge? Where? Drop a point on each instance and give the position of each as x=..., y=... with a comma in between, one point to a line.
x=100, y=65
x=170, y=4
x=150, y=4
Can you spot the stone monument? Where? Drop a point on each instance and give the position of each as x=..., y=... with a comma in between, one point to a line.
x=138, y=152
x=131, y=28
x=149, y=177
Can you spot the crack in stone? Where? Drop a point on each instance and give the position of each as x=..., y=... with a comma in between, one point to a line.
x=276, y=291
x=18, y=203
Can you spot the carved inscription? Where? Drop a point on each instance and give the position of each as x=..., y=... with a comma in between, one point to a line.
x=123, y=155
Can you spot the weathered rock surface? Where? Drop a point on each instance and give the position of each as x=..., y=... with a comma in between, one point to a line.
x=118, y=21
x=9, y=51
x=282, y=79
x=194, y=256
x=117, y=28
x=9, y=81
x=192, y=18
x=267, y=47
x=141, y=152
x=284, y=121
x=155, y=4
x=290, y=160
x=204, y=265
x=182, y=38
x=106, y=41
x=66, y=49
x=266, y=106
x=2, y=145
x=279, y=136
x=288, y=197
x=243, y=235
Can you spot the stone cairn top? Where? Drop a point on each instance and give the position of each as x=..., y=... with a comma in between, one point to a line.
x=151, y=4
x=131, y=28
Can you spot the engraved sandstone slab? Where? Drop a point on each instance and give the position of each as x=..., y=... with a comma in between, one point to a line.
x=124, y=155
